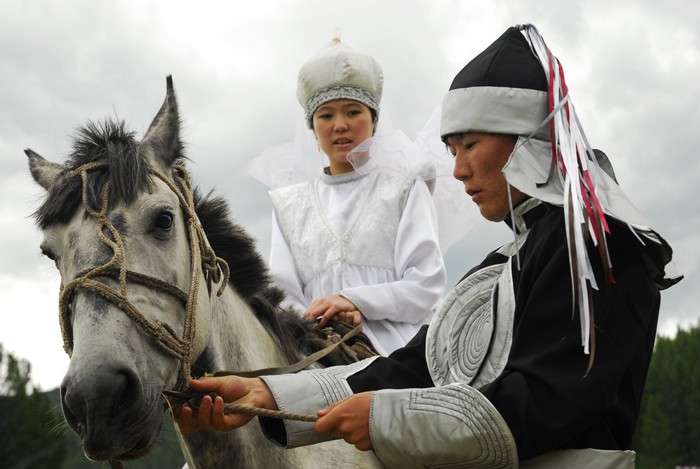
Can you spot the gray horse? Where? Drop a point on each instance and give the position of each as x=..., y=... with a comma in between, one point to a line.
x=158, y=285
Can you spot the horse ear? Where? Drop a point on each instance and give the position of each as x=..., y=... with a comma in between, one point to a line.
x=44, y=172
x=163, y=135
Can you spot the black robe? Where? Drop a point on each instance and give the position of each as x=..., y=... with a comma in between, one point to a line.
x=544, y=393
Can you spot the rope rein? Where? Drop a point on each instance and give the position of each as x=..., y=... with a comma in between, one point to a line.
x=193, y=398
x=231, y=408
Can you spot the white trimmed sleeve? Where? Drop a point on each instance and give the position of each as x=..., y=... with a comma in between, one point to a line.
x=447, y=426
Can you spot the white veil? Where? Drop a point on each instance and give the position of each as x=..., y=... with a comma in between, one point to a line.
x=389, y=150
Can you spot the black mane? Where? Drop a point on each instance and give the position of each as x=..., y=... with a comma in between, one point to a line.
x=249, y=274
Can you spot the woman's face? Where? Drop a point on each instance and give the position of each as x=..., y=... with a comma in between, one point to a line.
x=479, y=161
x=340, y=125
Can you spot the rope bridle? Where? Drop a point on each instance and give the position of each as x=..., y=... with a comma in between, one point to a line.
x=202, y=258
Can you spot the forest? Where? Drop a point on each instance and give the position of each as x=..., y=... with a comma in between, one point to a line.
x=36, y=437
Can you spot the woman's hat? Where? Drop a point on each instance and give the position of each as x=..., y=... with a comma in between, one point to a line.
x=339, y=72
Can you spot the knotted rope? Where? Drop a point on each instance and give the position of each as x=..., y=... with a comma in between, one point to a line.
x=194, y=398
x=202, y=257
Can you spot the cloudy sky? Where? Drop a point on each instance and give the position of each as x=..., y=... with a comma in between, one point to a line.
x=632, y=67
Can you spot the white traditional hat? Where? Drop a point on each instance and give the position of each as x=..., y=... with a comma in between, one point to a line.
x=339, y=72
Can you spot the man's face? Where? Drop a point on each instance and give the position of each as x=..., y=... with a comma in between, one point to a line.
x=479, y=161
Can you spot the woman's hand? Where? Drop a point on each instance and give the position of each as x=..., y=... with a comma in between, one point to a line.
x=326, y=307
x=210, y=415
x=348, y=419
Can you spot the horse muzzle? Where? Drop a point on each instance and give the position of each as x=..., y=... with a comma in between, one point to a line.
x=116, y=414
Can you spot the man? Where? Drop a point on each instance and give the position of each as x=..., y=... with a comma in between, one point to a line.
x=539, y=355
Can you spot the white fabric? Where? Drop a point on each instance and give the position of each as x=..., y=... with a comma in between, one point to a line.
x=394, y=301
x=425, y=159
x=470, y=337
x=391, y=151
x=493, y=109
x=528, y=165
x=306, y=392
x=353, y=74
x=313, y=242
x=447, y=426
x=408, y=427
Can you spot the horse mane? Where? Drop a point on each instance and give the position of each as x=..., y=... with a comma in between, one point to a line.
x=128, y=175
x=249, y=274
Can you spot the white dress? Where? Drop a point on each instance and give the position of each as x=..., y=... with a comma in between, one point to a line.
x=371, y=238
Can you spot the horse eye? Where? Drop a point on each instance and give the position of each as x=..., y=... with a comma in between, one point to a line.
x=164, y=221
x=48, y=254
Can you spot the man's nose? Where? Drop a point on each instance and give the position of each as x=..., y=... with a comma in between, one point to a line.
x=461, y=170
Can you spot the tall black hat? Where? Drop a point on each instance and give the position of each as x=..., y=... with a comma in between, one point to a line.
x=501, y=90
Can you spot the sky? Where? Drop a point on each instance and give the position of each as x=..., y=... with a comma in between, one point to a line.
x=632, y=68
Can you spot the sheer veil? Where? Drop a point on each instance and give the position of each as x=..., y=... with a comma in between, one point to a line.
x=390, y=151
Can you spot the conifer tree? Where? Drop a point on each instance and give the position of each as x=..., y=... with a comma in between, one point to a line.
x=669, y=426
x=29, y=440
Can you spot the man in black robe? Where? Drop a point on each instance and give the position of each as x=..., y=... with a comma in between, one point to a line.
x=539, y=355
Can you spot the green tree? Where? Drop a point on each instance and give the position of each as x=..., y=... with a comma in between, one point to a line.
x=29, y=440
x=669, y=426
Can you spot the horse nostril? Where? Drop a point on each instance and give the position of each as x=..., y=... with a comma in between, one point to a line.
x=70, y=406
x=109, y=395
x=125, y=392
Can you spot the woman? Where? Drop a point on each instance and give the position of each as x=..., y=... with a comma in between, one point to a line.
x=357, y=246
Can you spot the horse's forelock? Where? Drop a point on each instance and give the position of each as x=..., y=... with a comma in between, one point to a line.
x=127, y=172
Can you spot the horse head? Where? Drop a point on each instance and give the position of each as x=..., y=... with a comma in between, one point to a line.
x=145, y=302
x=119, y=222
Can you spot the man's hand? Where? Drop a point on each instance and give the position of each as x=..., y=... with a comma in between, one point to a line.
x=327, y=307
x=210, y=415
x=348, y=419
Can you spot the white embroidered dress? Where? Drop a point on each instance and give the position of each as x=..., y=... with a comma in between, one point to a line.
x=369, y=237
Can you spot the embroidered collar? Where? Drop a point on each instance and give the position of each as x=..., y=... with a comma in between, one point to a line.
x=327, y=178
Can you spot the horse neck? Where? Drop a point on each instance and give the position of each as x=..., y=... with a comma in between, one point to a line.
x=238, y=340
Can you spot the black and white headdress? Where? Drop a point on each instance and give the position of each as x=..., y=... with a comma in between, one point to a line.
x=516, y=86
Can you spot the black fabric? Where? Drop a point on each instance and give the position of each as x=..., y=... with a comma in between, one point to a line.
x=508, y=62
x=405, y=368
x=542, y=394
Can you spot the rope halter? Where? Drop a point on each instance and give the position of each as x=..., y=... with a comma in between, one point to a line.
x=202, y=257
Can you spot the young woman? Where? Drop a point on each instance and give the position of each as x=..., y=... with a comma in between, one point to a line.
x=357, y=246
